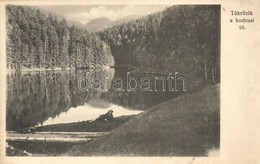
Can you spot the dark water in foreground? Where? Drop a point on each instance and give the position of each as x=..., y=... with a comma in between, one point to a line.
x=42, y=98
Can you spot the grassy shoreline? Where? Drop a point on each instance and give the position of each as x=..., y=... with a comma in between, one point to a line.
x=186, y=126
x=47, y=147
x=86, y=126
x=54, y=69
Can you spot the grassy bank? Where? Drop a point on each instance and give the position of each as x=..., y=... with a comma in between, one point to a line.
x=186, y=126
x=46, y=147
x=86, y=126
x=83, y=126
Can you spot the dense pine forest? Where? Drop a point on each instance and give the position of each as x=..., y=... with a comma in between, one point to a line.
x=36, y=40
x=183, y=39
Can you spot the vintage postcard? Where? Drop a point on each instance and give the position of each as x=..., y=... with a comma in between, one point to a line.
x=154, y=79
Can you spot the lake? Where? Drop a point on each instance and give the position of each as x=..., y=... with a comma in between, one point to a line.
x=51, y=97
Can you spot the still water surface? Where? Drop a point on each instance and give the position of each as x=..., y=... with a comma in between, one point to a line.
x=50, y=97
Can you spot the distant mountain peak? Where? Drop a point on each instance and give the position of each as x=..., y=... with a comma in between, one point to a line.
x=103, y=22
x=97, y=24
x=99, y=19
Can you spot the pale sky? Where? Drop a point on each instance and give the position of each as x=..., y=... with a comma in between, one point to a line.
x=84, y=14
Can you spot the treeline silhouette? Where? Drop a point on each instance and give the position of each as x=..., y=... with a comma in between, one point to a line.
x=183, y=39
x=36, y=40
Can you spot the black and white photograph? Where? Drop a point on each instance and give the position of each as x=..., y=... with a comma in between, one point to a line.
x=113, y=80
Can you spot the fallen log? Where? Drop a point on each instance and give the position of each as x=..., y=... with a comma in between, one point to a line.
x=54, y=136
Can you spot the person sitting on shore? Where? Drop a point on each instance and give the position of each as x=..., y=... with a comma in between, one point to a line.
x=106, y=117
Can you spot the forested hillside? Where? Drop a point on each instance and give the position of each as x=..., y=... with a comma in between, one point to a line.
x=183, y=39
x=36, y=40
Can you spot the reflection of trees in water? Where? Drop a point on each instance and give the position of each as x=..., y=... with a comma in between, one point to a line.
x=34, y=97
x=140, y=100
x=137, y=100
